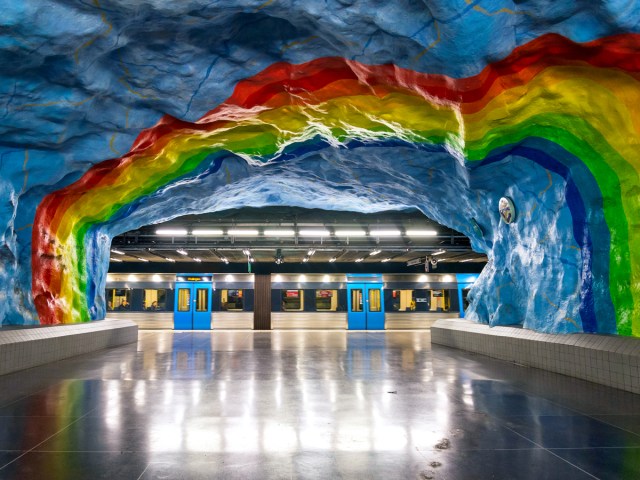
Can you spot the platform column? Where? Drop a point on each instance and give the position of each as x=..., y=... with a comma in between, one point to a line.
x=262, y=305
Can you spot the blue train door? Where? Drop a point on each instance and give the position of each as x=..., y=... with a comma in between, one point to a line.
x=192, y=303
x=365, y=303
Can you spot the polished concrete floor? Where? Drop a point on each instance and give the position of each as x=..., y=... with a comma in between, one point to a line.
x=293, y=404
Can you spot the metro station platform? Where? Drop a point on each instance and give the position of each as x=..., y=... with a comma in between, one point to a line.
x=309, y=404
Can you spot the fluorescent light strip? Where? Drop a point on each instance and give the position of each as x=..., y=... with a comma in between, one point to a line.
x=359, y=259
x=171, y=231
x=169, y=259
x=439, y=252
x=388, y=259
x=385, y=233
x=467, y=260
x=197, y=260
x=421, y=233
x=182, y=252
x=143, y=260
x=375, y=252
x=242, y=232
x=279, y=233
x=314, y=233
x=115, y=250
x=350, y=233
x=115, y=260
x=203, y=232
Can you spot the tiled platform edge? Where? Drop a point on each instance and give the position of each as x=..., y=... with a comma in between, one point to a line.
x=605, y=359
x=23, y=348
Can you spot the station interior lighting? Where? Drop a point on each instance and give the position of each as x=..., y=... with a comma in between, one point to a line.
x=181, y=251
x=115, y=250
x=385, y=233
x=421, y=233
x=242, y=232
x=115, y=260
x=350, y=233
x=171, y=231
x=375, y=252
x=359, y=259
x=439, y=252
x=204, y=232
x=196, y=259
x=143, y=260
x=282, y=232
x=314, y=232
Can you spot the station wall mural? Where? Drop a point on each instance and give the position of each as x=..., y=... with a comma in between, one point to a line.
x=456, y=108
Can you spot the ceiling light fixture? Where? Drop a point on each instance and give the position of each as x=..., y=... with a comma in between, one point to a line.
x=375, y=252
x=115, y=250
x=314, y=232
x=196, y=259
x=171, y=231
x=279, y=232
x=385, y=233
x=439, y=252
x=169, y=259
x=311, y=252
x=305, y=259
x=242, y=232
x=350, y=233
x=247, y=252
x=467, y=260
x=225, y=260
x=421, y=233
x=388, y=259
x=358, y=260
x=333, y=259
x=182, y=251
x=115, y=260
x=143, y=260
x=204, y=232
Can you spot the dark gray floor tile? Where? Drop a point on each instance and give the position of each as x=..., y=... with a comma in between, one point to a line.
x=571, y=432
x=605, y=463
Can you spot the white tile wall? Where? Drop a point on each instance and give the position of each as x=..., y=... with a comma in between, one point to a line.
x=22, y=348
x=606, y=359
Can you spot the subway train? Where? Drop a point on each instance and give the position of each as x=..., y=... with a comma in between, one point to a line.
x=187, y=301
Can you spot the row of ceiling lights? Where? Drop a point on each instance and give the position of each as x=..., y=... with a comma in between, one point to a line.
x=303, y=232
x=279, y=258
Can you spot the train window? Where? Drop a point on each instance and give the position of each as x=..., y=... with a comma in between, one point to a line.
x=356, y=300
x=118, y=299
x=440, y=300
x=202, y=299
x=465, y=299
x=375, y=305
x=326, y=300
x=155, y=299
x=232, y=300
x=184, y=299
x=292, y=300
x=403, y=300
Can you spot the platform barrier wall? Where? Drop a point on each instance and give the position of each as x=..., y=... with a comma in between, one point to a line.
x=605, y=359
x=22, y=348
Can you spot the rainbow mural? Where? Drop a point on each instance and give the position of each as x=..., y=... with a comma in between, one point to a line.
x=550, y=89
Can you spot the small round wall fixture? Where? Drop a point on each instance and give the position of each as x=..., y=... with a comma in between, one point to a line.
x=507, y=210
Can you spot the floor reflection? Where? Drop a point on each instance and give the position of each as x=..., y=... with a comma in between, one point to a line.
x=291, y=403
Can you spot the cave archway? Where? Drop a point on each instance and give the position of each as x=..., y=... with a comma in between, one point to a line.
x=343, y=133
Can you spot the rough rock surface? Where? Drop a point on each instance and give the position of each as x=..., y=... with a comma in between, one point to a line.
x=81, y=80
